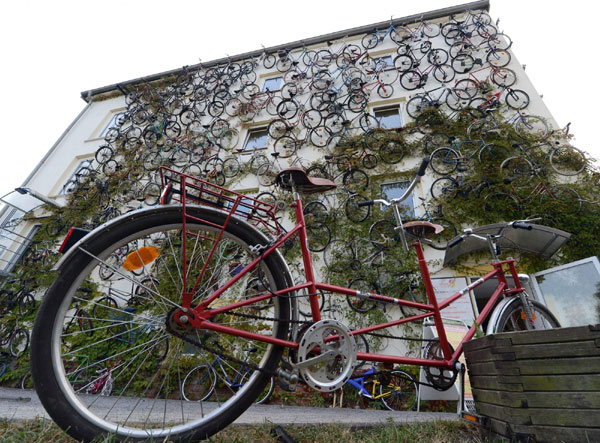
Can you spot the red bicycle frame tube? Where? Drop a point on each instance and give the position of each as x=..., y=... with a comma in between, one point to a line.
x=201, y=313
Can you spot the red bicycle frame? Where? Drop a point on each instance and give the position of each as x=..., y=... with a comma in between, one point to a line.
x=201, y=314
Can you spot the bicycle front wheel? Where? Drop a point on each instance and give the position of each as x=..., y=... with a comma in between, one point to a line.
x=567, y=160
x=150, y=390
x=444, y=161
x=515, y=318
x=199, y=383
x=398, y=390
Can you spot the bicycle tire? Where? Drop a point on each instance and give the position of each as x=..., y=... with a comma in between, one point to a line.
x=383, y=234
x=265, y=395
x=415, y=105
x=319, y=236
x=404, y=63
x=436, y=140
x=311, y=119
x=504, y=77
x=370, y=41
x=369, y=161
x=104, y=154
x=19, y=342
x=568, y=199
x=269, y=61
x=528, y=125
x=199, y=384
x=359, y=304
x=231, y=167
x=500, y=41
x=154, y=226
x=2, y=368
x=304, y=302
x=492, y=154
x=498, y=58
x=518, y=170
x=444, y=161
x=392, y=151
x=105, y=307
x=567, y=160
x=516, y=99
x=26, y=381
x=286, y=146
x=463, y=63
x=411, y=80
x=356, y=179
x=514, y=318
x=266, y=174
x=444, y=73
x=315, y=212
x=398, y=390
x=354, y=212
x=26, y=304
x=385, y=91
x=444, y=188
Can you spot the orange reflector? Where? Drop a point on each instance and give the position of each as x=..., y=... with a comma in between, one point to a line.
x=140, y=257
x=470, y=418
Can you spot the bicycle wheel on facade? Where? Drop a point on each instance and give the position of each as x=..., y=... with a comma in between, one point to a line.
x=392, y=151
x=518, y=170
x=567, y=160
x=528, y=125
x=19, y=342
x=444, y=161
x=398, y=390
x=359, y=304
x=139, y=380
x=199, y=384
x=515, y=318
x=444, y=188
x=354, y=212
x=356, y=179
x=517, y=99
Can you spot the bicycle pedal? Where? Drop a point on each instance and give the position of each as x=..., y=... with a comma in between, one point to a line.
x=287, y=377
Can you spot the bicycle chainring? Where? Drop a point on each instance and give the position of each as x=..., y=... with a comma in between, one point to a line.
x=441, y=379
x=326, y=355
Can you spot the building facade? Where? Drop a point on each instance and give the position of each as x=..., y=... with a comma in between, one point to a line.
x=360, y=106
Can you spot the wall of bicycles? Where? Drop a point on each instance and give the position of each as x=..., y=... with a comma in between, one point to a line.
x=360, y=111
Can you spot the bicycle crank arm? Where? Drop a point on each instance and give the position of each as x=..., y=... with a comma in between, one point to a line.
x=329, y=355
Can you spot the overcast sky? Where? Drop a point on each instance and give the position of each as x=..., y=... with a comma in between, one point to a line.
x=51, y=51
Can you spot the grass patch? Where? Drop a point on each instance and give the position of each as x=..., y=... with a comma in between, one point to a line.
x=456, y=432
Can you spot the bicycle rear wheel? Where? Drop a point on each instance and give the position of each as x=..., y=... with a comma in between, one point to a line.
x=514, y=318
x=147, y=389
x=444, y=161
x=567, y=160
x=199, y=384
x=398, y=390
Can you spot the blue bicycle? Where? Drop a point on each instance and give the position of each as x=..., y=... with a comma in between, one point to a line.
x=397, y=390
x=200, y=383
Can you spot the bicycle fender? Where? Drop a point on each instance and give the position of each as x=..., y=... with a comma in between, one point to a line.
x=497, y=313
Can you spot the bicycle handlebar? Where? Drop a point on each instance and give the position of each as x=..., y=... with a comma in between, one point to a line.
x=516, y=224
x=396, y=201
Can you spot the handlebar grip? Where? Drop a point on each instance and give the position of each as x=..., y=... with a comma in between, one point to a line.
x=519, y=225
x=424, y=163
x=367, y=203
x=454, y=242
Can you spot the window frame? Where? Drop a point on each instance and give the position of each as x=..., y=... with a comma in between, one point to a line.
x=397, y=107
x=250, y=133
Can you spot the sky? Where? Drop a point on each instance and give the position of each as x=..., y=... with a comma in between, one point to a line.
x=52, y=51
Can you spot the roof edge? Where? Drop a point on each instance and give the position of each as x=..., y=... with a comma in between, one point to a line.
x=431, y=15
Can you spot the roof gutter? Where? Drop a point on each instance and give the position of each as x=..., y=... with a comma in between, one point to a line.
x=431, y=15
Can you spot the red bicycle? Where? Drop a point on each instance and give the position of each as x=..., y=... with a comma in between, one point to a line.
x=187, y=247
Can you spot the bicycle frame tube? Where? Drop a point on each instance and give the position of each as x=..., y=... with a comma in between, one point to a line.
x=432, y=309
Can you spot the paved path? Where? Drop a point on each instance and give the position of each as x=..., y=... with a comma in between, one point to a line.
x=17, y=404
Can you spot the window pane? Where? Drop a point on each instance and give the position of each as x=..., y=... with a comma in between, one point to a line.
x=395, y=190
x=389, y=118
x=272, y=84
x=257, y=139
x=572, y=294
x=385, y=62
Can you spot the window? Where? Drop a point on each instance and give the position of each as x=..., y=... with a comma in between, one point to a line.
x=256, y=139
x=272, y=84
x=395, y=190
x=389, y=118
x=384, y=62
x=81, y=171
x=115, y=120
